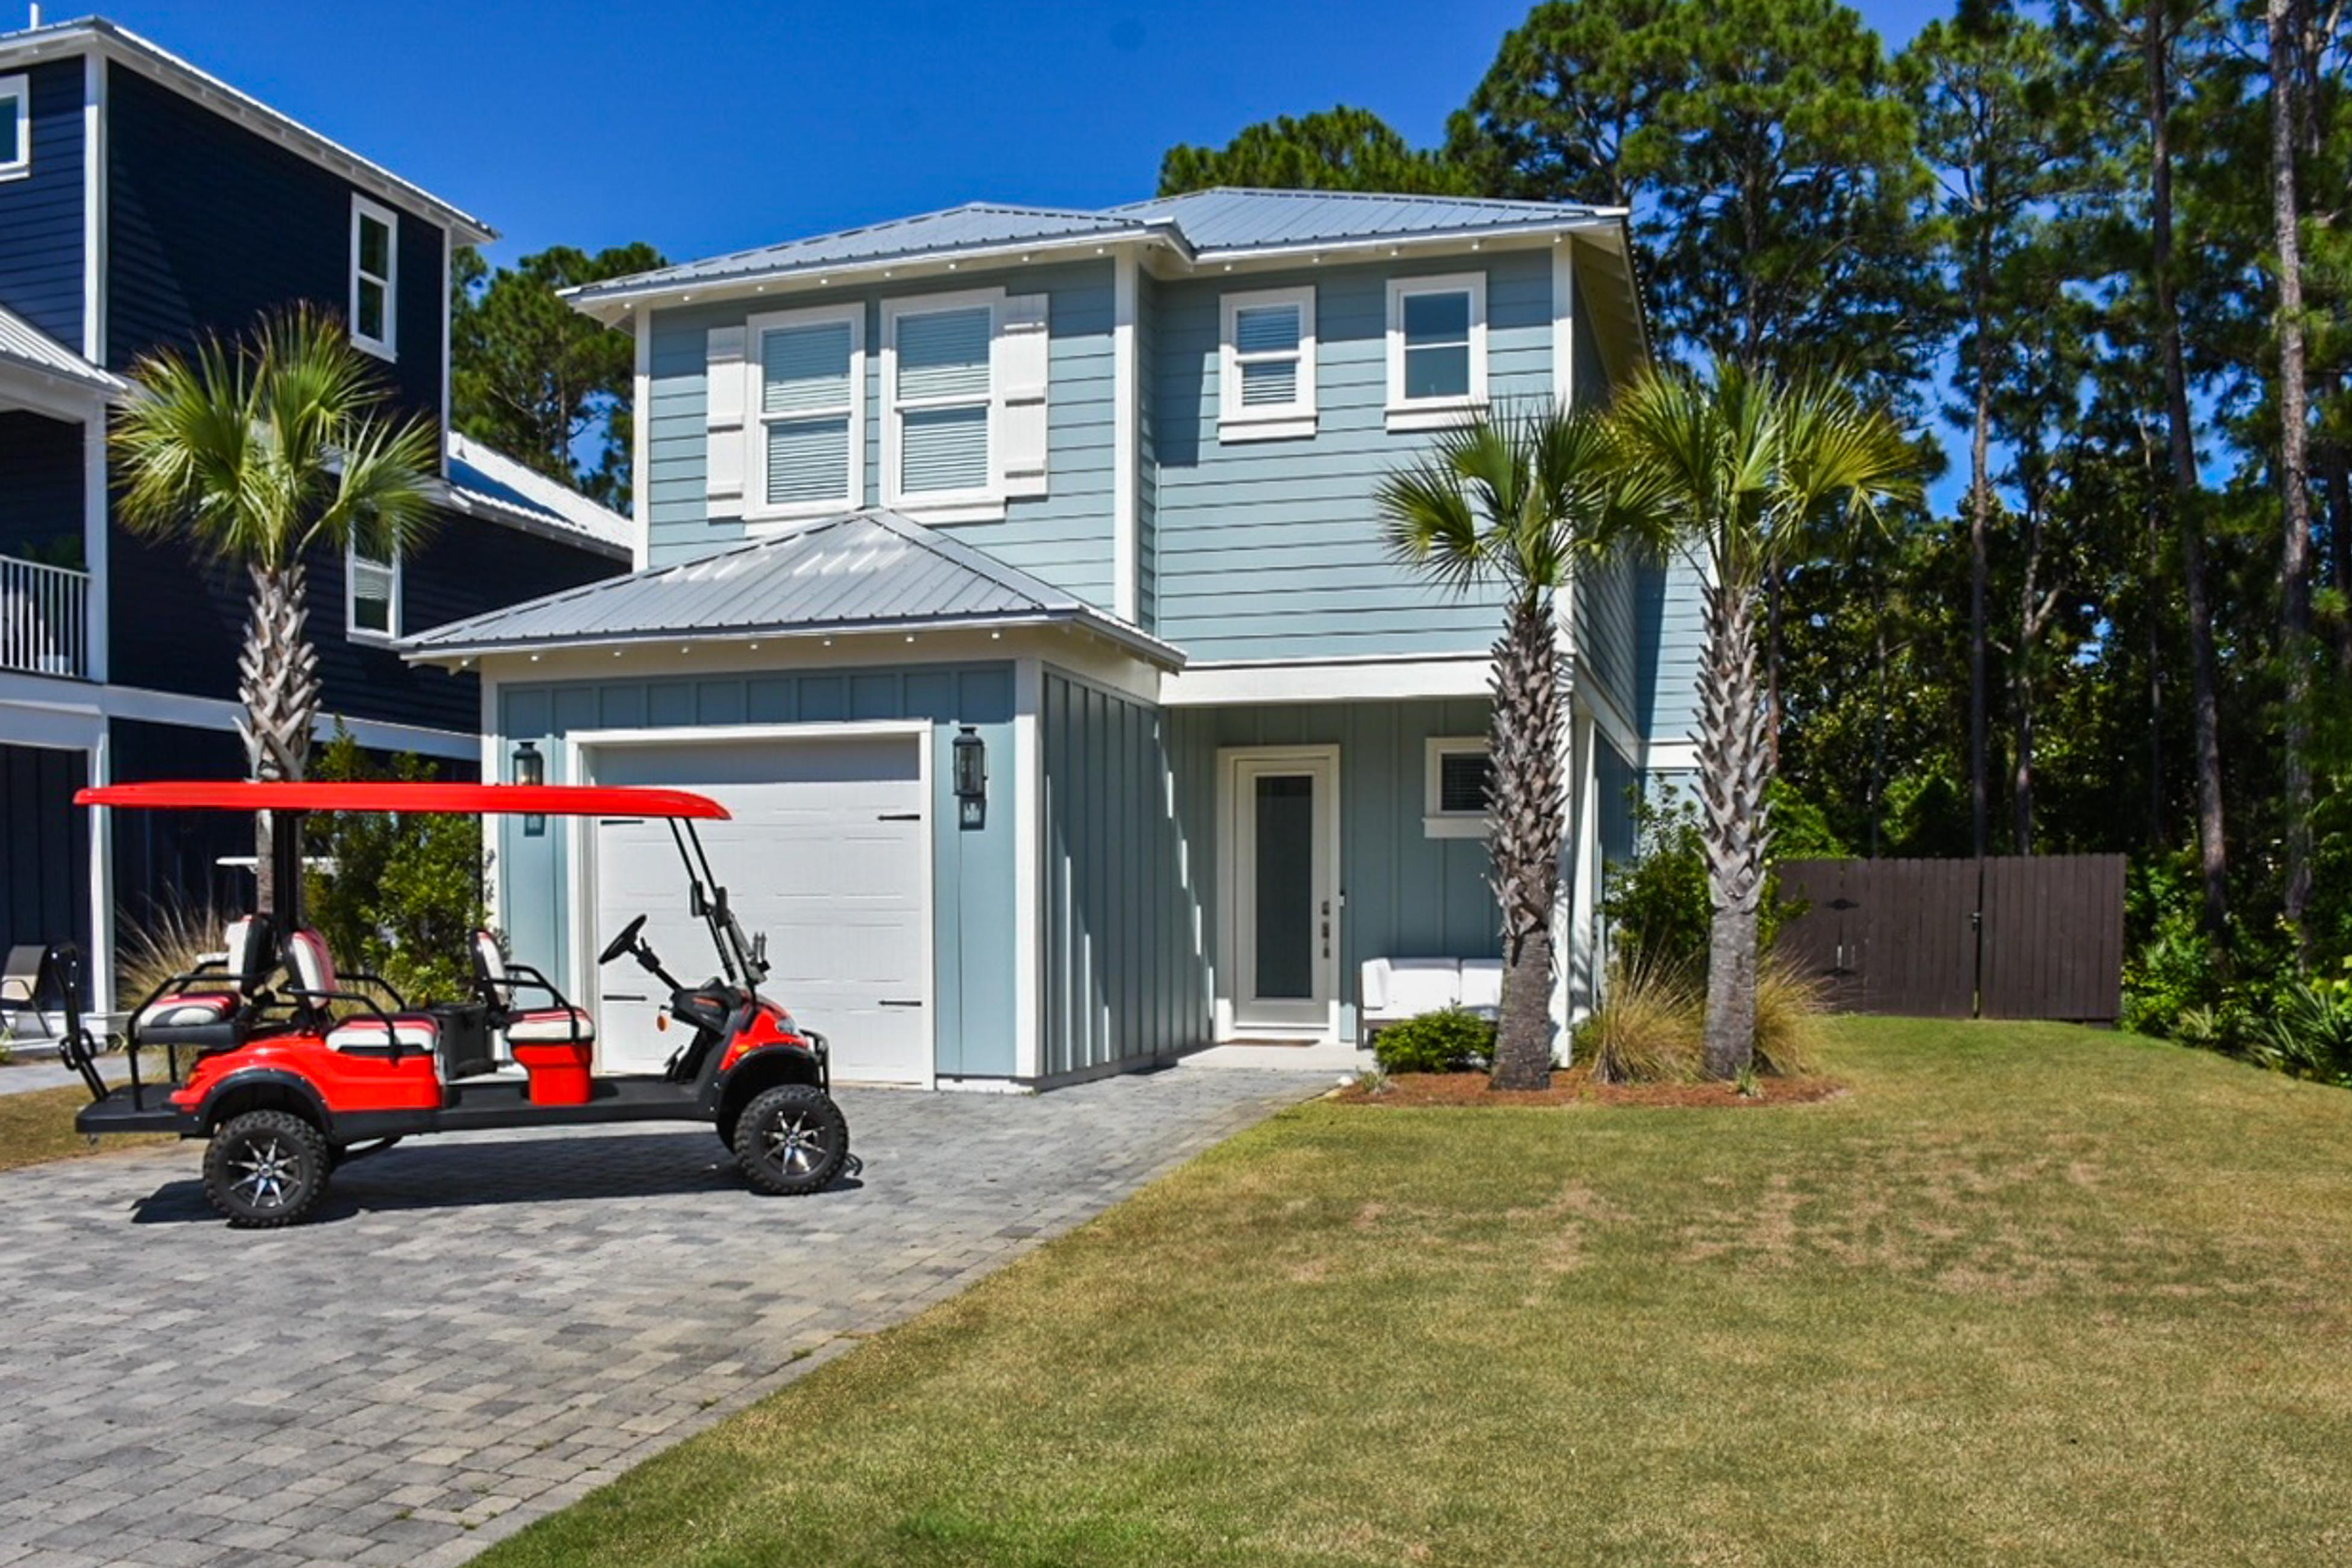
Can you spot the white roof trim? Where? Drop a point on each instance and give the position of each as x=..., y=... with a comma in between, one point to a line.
x=65, y=40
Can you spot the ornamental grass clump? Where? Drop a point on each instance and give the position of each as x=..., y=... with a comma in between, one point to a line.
x=1647, y=1028
x=1790, y=1007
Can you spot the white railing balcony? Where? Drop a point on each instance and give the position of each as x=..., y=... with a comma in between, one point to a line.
x=43, y=618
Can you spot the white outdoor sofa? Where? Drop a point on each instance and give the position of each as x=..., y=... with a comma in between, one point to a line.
x=1395, y=989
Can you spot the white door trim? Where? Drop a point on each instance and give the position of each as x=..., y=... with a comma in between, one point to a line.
x=580, y=878
x=1323, y=760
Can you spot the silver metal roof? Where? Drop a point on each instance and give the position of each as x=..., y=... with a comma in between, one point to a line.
x=974, y=225
x=26, y=345
x=1233, y=219
x=1202, y=225
x=868, y=570
x=485, y=482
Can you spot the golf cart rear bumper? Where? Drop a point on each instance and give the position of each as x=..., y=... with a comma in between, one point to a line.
x=146, y=1109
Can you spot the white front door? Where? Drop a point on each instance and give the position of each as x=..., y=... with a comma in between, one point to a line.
x=1281, y=830
x=828, y=854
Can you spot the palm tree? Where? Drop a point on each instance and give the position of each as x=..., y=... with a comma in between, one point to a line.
x=254, y=453
x=1523, y=501
x=1747, y=472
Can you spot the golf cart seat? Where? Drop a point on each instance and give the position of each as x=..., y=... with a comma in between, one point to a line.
x=559, y=1023
x=212, y=1008
x=373, y=1033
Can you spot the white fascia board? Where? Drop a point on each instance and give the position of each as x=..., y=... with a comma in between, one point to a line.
x=63, y=707
x=41, y=390
x=1427, y=243
x=1345, y=680
x=774, y=282
x=490, y=509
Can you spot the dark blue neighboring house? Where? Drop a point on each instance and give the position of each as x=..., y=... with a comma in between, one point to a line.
x=145, y=203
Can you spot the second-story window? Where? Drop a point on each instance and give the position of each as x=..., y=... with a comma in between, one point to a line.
x=1266, y=365
x=1437, y=349
x=808, y=423
x=375, y=260
x=16, y=128
x=941, y=400
x=371, y=597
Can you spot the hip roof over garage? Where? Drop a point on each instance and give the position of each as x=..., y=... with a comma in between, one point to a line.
x=861, y=571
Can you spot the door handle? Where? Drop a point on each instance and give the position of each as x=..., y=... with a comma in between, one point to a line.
x=899, y=1002
x=625, y=997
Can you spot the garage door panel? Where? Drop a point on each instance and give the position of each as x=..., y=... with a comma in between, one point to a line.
x=822, y=857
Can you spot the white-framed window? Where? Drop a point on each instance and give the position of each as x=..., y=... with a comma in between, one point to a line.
x=376, y=277
x=16, y=128
x=939, y=399
x=808, y=403
x=371, y=597
x=1437, y=350
x=1265, y=365
x=1458, y=772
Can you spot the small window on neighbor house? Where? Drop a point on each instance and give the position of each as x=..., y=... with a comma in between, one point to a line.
x=807, y=419
x=375, y=247
x=1266, y=365
x=1460, y=772
x=371, y=598
x=941, y=403
x=1437, y=349
x=16, y=128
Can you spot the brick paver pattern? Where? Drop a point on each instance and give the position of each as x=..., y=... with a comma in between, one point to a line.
x=478, y=1329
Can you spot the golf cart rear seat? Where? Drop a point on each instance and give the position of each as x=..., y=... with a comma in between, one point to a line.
x=212, y=1008
x=375, y=1032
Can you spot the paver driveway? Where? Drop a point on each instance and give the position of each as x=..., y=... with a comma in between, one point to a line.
x=478, y=1329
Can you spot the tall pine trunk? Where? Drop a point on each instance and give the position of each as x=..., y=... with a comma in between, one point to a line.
x=2030, y=615
x=1980, y=574
x=277, y=681
x=1528, y=815
x=2294, y=469
x=2187, y=514
x=1734, y=770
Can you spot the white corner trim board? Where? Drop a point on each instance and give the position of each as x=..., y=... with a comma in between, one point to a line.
x=1324, y=679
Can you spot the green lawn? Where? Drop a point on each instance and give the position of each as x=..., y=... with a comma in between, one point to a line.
x=2028, y=1294
x=36, y=1127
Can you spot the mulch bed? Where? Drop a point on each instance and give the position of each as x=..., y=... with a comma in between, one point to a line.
x=1575, y=1087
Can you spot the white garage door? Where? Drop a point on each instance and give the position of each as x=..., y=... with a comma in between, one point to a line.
x=827, y=854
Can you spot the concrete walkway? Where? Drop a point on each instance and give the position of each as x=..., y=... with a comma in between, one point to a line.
x=479, y=1329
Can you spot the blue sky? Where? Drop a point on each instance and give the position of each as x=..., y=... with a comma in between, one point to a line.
x=707, y=128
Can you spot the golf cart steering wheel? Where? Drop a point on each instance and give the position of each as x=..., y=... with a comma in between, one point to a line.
x=623, y=942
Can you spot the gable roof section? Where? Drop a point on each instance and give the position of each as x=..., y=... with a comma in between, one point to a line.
x=868, y=570
x=26, y=347
x=1237, y=220
x=1224, y=223
x=62, y=39
x=488, y=484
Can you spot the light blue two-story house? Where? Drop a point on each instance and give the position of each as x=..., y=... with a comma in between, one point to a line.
x=1013, y=576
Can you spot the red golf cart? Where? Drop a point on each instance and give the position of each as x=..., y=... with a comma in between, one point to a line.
x=290, y=1066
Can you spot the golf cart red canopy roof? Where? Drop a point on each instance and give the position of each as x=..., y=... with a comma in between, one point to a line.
x=474, y=800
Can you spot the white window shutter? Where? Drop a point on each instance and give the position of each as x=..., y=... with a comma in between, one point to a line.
x=1022, y=355
x=724, y=418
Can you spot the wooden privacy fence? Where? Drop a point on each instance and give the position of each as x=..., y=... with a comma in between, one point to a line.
x=2013, y=937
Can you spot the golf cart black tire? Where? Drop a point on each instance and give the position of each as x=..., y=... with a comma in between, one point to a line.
x=312, y=1162
x=774, y=1107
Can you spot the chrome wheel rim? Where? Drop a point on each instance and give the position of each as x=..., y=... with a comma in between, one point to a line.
x=270, y=1169
x=795, y=1144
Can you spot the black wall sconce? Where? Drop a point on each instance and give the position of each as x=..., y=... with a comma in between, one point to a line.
x=970, y=778
x=530, y=767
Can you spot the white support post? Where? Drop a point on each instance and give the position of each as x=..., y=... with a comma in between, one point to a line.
x=101, y=883
x=1125, y=476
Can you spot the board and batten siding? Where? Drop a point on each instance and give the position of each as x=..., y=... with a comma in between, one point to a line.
x=1271, y=549
x=1063, y=537
x=41, y=212
x=1126, y=978
x=971, y=869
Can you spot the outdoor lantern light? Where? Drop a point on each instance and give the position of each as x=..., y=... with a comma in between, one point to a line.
x=530, y=767
x=970, y=778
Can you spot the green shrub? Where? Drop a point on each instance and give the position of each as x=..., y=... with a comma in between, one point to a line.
x=2169, y=972
x=2306, y=1031
x=405, y=896
x=1657, y=903
x=1450, y=1040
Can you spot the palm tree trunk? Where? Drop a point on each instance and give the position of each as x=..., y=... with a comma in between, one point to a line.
x=1528, y=817
x=277, y=681
x=2295, y=470
x=1735, y=768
